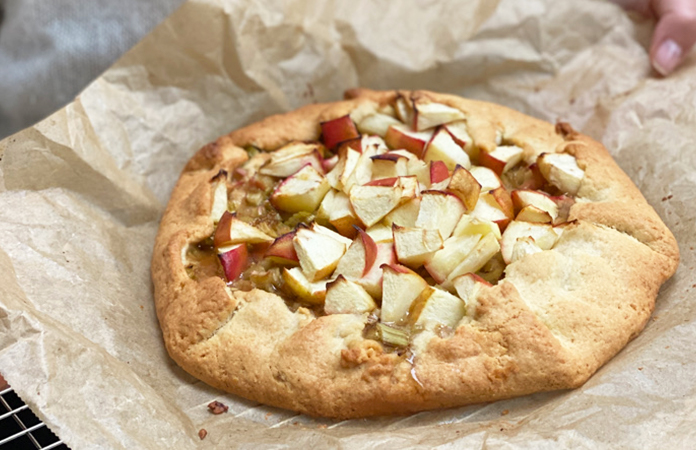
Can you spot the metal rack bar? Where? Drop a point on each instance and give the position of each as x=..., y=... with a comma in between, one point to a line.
x=24, y=430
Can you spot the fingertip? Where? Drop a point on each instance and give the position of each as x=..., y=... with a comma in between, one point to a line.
x=667, y=57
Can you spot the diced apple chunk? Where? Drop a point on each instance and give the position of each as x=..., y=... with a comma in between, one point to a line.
x=338, y=130
x=486, y=178
x=302, y=191
x=380, y=233
x=522, y=198
x=464, y=185
x=291, y=158
x=282, y=250
x=501, y=159
x=400, y=286
x=359, y=257
x=372, y=280
x=429, y=115
x=345, y=297
x=405, y=215
x=231, y=230
x=543, y=235
x=453, y=252
x=401, y=137
x=469, y=225
x=460, y=133
x=488, y=209
x=443, y=148
x=318, y=253
x=468, y=287
x=484, y=250
x=372, y=203
x=389, y=165
x=415, y=246
x=533, y=214
x=377, y=124
x=310, y=292
x=561, y=170
x=441, y=211
x=435, y=307
x=219, y=205
x=233, y=259
x=524, y=246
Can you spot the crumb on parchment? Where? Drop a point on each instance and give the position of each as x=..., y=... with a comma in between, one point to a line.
x=217, y=408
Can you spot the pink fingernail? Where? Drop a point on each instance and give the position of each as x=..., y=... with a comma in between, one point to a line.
x=667, y=57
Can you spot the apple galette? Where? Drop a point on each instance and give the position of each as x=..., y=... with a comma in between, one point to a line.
x=403, y=251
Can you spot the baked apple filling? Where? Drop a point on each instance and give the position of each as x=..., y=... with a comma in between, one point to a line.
x=399, y=216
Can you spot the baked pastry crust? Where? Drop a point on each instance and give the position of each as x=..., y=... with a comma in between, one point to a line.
x=549, y=324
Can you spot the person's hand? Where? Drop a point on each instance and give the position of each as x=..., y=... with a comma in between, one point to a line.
x=675, y=32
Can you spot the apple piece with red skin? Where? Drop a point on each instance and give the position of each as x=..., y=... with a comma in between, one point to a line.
x=501, y=159
x=429, y=114
x=443, y=148
x=234, y=259
x=453, y=252
x=354, y=144
x=335, y=131
x=562, y=171
x=282, y=250
x=376, y=124
x=438, y=172
x=464, y=185
x=292, y=157
x=308, y=291
x=372, y=203
x=231, y=230
x=460, y=133
x=400, y=287
x=522, y=198
x=401, y=137
x=415, y=246
x=303, y=191
x=329, y=163
x=372, y=280
x=536, y=180
x=346, y=297
x=440, y=211
x=543, y=234
x=359, y=257
x=392, y=181
x=486, y=178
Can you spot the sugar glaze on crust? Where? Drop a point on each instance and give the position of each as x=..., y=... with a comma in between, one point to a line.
x=555, y=318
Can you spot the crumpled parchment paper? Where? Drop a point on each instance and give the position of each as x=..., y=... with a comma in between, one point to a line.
x=82, y=191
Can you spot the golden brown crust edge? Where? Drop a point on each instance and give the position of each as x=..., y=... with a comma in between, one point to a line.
x=537, y=330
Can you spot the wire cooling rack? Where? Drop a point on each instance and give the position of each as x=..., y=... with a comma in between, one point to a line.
x=20, y=429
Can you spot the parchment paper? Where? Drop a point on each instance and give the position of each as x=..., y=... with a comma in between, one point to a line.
x=82, y=191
